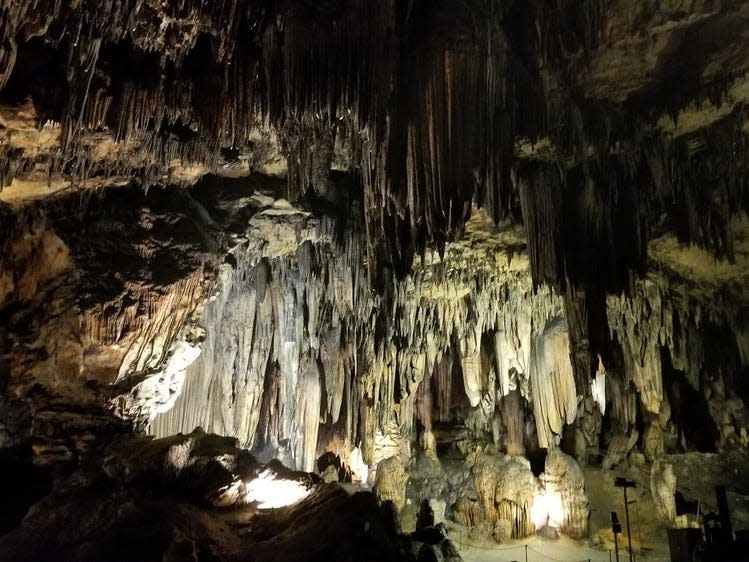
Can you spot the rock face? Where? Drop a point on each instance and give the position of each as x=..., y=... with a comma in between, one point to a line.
x=390, y=483
x=166, y=499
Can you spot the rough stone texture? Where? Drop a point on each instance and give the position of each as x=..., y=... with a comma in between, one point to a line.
x=481, y=531
x=564, y=478
x=506, y=489
x=160, y=507
x=619, y=448
x=390, y=483
x=663, y=488
x=427, y=480
x=502, y=531
x=117, y=338
x=482, y=206
x=653, y=442
x=330, y=474
x=438, y=507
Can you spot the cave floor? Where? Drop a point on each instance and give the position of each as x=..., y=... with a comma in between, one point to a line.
x=539, y=550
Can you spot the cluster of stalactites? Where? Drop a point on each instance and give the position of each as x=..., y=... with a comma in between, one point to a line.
x=430, y=96
x=657, y=327
x=299, y=342
x=277, y=359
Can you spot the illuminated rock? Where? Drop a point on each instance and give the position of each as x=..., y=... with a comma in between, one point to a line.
x=507, y=490
x=390, y=483
x=564, y=487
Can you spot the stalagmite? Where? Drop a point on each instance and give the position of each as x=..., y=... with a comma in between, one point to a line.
x=506, y=489
x=390, y=483
x=563, y=478
x=663, y=488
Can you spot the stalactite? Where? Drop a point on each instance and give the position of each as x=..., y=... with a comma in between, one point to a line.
x=540, y=198
x=552, y=384
x=470, y=366
x=514, y=423
x=307, y=423
x=641, y=332
x=623, y=401
x=443, y=380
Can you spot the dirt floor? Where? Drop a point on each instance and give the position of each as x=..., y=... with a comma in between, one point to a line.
x=536, y=548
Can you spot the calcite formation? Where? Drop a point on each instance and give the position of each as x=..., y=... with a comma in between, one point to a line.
x=167, y=499
x=390, y=483
x=506, y=488
x=663, y=488
x=564, y=479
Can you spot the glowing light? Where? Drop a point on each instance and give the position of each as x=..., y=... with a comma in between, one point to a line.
x=359, y=469
x=548, y=510
x=271, y=492
x=598, y=387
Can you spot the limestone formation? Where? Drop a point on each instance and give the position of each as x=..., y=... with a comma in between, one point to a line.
x=506, y=488
x=165, y=517
x=502, y=531
x=330, y=474
x=390, y=483
x=564, y=479
x=619, y=447
x=552, y=384
x=663, y=488
x=653, y=442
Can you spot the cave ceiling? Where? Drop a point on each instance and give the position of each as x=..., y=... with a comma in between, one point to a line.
x=625, y=112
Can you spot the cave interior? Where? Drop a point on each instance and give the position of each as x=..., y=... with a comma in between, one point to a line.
x=374, y=280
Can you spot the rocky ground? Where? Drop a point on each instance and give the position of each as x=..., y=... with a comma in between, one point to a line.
x=192, y=497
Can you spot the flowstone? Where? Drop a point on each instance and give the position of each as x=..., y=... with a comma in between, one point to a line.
x=663, y=489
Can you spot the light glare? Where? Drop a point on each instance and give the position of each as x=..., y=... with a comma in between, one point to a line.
x=548, y=510
x=271, y=493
